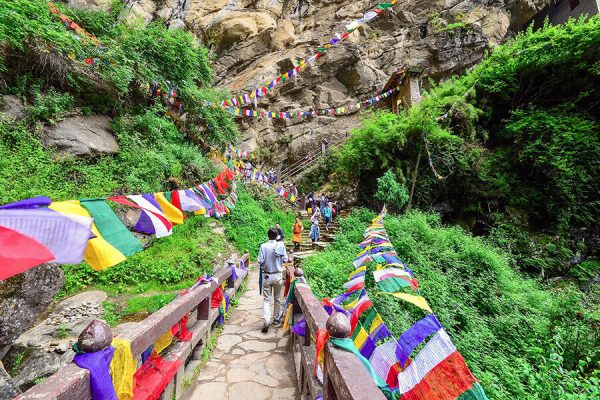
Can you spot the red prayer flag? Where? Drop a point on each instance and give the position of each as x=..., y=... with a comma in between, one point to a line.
x=19, y=252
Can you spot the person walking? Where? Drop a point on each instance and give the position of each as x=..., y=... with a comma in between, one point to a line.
x=280, y=234
x=297, y=233
x=327, y=215
x=271, y=257
x=316, y=215
x=315, y=232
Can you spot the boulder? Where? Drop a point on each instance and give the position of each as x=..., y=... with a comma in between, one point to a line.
x=23, y=298
x=82, y=136
x=236, y=26
x=8, y=389
x=12, y=107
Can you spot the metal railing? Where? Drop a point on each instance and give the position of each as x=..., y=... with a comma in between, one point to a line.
x=73, y=383
x=308, y=160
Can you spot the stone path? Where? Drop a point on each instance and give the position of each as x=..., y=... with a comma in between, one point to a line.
x=248, y=364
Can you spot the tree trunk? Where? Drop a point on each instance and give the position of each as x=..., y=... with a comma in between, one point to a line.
x=414, y=180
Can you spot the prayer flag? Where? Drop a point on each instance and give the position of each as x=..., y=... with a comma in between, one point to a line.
x=64, y=236
x=111, y=227
x=418, y=301
x=99, y=253
x=439, y=372
x=415, y=335
x=171, y=211
x=19, y=252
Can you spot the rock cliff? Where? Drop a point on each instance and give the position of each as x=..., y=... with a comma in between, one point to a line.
x=256, y=40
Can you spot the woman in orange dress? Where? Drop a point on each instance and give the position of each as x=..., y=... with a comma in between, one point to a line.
x=297, y=233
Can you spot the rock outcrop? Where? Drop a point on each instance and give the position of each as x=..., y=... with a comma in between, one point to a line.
x=12, y=107
x=45, y=348
x=257, y=40
x=24, y=297
x=82, y=136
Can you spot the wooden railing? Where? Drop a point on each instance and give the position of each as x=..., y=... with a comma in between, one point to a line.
x=344, y=377
x=73, y=383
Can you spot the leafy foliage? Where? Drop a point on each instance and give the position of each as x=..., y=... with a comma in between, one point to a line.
x=131, y=56
x=254, y=214
x=515, y=138
x=493, y=314
x=391, y=192
x=152, y=153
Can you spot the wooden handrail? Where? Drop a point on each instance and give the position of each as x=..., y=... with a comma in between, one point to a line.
x=344, y=376
x=73, y=383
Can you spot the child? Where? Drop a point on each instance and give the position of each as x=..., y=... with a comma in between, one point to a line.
x=315, y=232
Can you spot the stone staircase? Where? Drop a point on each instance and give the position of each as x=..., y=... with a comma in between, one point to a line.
x=307, y=248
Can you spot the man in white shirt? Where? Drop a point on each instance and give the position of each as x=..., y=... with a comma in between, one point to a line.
x=271, y=258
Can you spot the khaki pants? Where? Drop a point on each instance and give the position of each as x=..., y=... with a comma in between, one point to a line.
x=272, y=289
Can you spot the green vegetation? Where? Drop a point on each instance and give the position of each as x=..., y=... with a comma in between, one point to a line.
x=521, y=338
x=512, y=145
x=131, y=55
x=152, y=154
x=254, y=214
x=171, y=263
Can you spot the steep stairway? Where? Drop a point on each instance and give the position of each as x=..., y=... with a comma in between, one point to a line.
x=307, y=248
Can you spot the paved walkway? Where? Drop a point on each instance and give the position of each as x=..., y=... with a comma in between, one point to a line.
x=248, y=364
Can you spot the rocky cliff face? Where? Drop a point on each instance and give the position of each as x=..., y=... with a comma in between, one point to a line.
x=257, y=40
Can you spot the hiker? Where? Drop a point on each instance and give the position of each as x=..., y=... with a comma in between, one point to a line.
x=333, y=212
x=297, y=233
x=280, y=234
x=327, y=215
x=315, y=232
x=248, y=170
x=271, y=257
x=316, y=215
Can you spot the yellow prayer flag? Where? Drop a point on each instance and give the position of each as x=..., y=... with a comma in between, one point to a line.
x=362, y=336
x=418, y=301
x=163, y=342
x=377, y=321
x=357, y=271
x=122, y=368
x=172, y=213
x=99, y=253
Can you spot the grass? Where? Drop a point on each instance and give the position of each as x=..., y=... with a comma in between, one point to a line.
x=499, y=320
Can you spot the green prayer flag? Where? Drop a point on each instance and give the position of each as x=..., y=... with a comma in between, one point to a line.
x=169, y=196
x=370, y=317
x=384, y=6
x=392, y=284
x=111, y=228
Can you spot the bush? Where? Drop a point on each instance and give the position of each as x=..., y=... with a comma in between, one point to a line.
x=51, y=106
x=254, y=214
x=493, y=314
x=391, y=192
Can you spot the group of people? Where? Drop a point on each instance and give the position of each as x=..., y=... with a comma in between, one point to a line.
x=273, y=255
x=322, y=208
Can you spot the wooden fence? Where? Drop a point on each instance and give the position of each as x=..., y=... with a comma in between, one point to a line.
x=344, y=377
x=73, y=383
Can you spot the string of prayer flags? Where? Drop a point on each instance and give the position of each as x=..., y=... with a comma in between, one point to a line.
x=244, y=112
x=99, y=253
x=254, y=95
x=438, y=372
